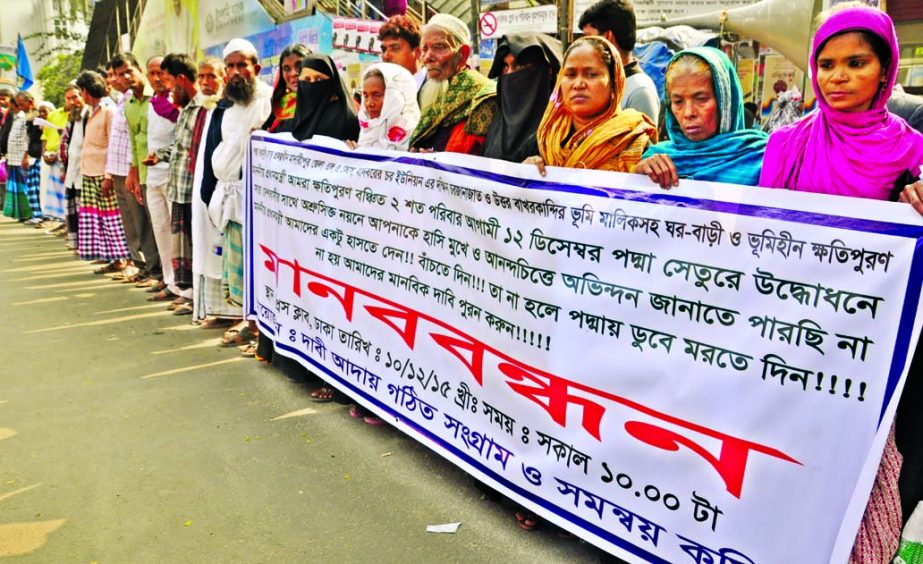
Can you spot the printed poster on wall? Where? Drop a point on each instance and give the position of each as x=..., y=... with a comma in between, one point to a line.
x=779, y=75
x=701, y=375
x=746, y=73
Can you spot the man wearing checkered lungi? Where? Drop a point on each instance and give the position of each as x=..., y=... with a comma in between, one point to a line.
x=23, y=150
x=182, y=69
x=102, y=237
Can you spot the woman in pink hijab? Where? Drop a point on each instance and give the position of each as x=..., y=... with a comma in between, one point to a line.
x=854, y=147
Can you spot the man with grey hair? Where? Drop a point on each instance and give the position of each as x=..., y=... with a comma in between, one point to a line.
x=246, y=104
x=457, y=103
x=211, y=78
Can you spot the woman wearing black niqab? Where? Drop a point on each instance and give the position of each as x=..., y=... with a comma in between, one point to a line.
x=523, y=89
x=324, y=105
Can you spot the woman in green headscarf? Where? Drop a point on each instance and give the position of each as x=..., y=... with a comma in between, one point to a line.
x=705, y=121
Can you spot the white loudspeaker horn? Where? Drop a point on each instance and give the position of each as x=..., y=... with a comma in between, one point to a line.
x=784, y=25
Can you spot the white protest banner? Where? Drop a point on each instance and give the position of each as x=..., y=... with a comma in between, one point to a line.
x=497, y=23
x=663, y=12
x=707, y=374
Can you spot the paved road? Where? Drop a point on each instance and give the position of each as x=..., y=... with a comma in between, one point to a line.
x=128, y=435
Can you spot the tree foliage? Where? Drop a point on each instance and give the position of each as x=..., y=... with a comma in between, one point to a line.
x=55, y=75
x=64, y=31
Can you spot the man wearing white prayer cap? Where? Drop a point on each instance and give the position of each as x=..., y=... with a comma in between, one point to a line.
x=457, y=103
x=246, y=104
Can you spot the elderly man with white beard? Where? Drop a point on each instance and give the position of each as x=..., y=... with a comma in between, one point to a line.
x=458, y=104
x=246, y=104
x=208, y=295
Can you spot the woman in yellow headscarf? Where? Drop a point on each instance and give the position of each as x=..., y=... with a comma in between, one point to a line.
x=584, y=126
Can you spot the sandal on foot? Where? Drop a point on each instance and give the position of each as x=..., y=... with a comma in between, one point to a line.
x=124, y=274
x=373, y=420
x=156, y=287
x=178, y=302
x=323, y=394
x=113, y=266
x=163, y=296
x=233, y=330
x=249, y=351
x=184, y=309
x=219, y=323
x=237, y=337
x=354, y=412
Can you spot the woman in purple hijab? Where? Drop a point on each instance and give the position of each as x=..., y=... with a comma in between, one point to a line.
x=854, y=147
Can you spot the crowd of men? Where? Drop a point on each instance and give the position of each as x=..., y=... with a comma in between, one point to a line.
x=121, y=157
x=117, y=164
x=141, y=171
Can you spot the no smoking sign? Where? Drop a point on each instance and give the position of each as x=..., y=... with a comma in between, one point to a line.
x=488, y=24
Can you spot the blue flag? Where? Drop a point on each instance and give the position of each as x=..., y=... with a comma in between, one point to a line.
x=23, y=68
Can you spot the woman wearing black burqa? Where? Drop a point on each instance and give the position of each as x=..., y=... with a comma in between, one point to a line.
x=525, y=66
x=323, y=107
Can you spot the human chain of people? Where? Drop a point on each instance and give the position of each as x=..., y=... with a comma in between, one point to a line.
x=611, y=299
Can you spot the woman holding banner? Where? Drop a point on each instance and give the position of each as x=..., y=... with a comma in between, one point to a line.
x=525, y=66
x=705, y=119
x=389, y=112
x=324, y=105
x=854, y=147
x=583, y=126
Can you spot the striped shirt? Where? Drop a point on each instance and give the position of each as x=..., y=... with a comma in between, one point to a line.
x=179, y=181
x=19, y=140
x=118, y=156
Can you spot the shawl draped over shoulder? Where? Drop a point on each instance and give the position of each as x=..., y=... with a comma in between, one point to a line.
x=735, y=153
x=859, y=154
x=399, y=112
x=613, y=141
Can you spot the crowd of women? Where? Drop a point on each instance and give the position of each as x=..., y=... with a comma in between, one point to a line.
x=549, y=108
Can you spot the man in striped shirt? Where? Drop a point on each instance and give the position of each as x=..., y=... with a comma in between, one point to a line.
x=138, y=235
x=182, y=70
